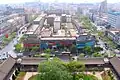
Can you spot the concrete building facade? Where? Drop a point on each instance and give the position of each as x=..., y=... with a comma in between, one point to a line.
x=114, y=35
x=114, y=19
x=68, y=18
x=57, y=24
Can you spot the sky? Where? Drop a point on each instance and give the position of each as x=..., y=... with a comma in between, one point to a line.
x=74, y=1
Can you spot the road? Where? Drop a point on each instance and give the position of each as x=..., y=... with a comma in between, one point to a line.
x=102, y=43
x=10, y=47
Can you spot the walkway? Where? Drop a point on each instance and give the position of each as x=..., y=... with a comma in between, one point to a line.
x=29, y=74
x=97, y=74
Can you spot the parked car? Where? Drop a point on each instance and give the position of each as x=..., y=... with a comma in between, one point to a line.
x=4, y=55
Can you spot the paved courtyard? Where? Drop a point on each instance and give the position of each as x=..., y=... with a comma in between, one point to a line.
x=29, y=74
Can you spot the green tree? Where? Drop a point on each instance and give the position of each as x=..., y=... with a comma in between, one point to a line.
x=16, y=73
x=34, y=49
x=6, y=39
x=73, y=49
x=13, y=34
x=88, y=50
x=48, y=51
x=53, y=70
x=18, y=47
x=98, y=49
x=100, y=34
x=75, y=66
x=82, y=55
x=22, y=39
x=97, y=55
x=13, y=77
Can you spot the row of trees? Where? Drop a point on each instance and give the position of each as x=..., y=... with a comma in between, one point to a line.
x=88, y=51
x=20, y=48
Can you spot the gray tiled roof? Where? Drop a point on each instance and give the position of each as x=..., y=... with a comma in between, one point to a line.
x=116, y=64
x=92, y=61
x=32, y=41
x=32, y=60
x=5, y=67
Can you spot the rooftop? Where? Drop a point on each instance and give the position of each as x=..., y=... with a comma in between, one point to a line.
x=32, y=29
x=10, y=20
x=45, y=32
x=52, y=15
x=6, y=66
x=63, y=38
x=114, y=13
x=32, y=60
x=70, y=25
x=116, y=64
x=5, y=24
x=61, y=32
x=57, y=18
x=84, y=38
x=92, y=60
x=115, y=32
x=73, y=32
x=31, y=41
x=68, y=15
x=63, y=14
x=38, y=18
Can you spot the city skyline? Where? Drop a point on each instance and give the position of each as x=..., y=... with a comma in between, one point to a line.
x=66, y=1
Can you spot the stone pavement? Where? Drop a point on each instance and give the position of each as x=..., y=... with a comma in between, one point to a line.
x=29, y=74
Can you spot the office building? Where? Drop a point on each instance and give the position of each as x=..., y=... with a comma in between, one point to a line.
x=103, y=8
x=57, y=23
x=114, y=19
x=50, y=19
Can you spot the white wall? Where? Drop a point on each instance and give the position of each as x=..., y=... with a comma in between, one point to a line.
x=68, y=19
x=56, y=26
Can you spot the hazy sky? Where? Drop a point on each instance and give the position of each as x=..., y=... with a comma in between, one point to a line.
x=75, y=1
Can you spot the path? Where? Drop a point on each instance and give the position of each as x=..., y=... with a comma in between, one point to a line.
x=29, y=74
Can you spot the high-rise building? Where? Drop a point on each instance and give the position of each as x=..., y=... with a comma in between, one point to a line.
x=57, y=22
x=114, y=19
x=103, y=8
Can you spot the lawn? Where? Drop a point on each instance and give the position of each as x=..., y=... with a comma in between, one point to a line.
x=89, y=77
x=33, y=77
x=21, y=76
x=85, y=77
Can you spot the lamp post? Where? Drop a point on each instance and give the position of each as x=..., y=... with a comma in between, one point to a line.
x=32, y=70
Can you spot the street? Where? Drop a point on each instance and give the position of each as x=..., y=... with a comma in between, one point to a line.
x=102, y=44
x=10, y=47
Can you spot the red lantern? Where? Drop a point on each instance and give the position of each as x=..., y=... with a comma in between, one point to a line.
x=6, y=35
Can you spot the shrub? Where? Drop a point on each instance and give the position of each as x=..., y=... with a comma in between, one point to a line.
x=16, y=73
x=13, y=77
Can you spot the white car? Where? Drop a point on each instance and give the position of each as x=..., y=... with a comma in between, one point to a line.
x=4, y=55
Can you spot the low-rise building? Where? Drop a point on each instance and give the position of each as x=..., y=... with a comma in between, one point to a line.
x=85, y=40
x=39, y=18
x=114, y=35
x=30, y=42
x=8, y=67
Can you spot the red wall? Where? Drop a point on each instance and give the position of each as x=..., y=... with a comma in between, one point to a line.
x=30, y=45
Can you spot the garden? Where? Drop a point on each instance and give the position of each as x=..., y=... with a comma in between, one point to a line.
x=56, y=69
